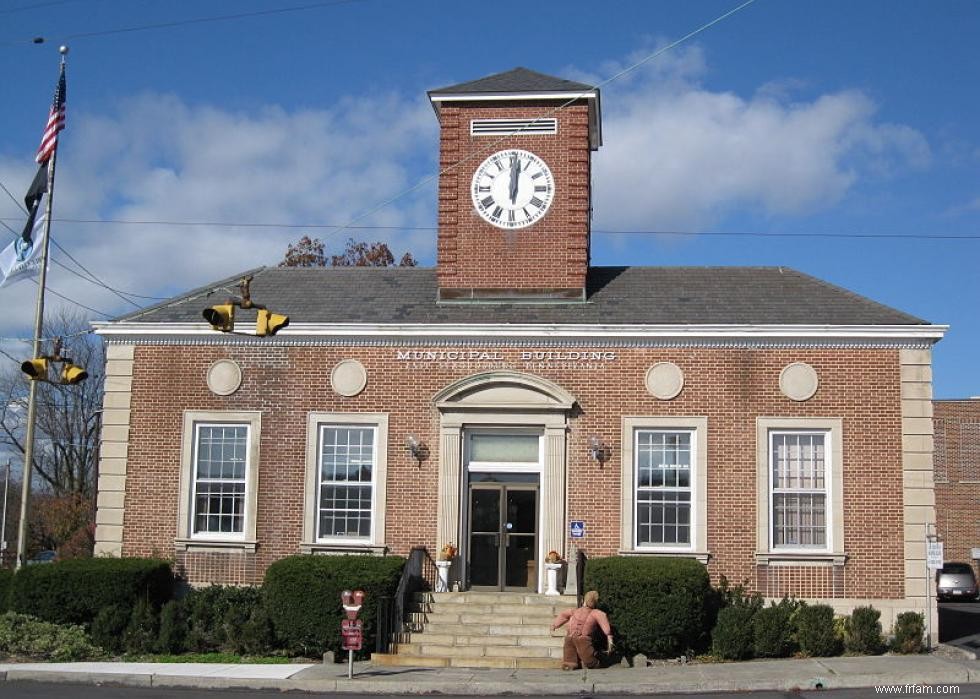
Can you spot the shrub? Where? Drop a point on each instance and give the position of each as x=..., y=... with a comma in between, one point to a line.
x=173, y=628
x=25, y=636
x=6, y=580
x=815, y=631
x=302, y=597
x=909, y=630
x=772, y=630
x=109, y=628
x=141, y=632
x=217, y=616
x=862, y=631
x=731, y=638
x=75, y=591
x=658, y=606
x=257, y=636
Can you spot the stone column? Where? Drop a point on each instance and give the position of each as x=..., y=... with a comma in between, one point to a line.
x=114, y=450
x=553, y=491
x=450, y=478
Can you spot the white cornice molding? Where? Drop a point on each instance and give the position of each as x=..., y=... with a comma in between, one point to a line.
x=498, y=96
x=419, y=331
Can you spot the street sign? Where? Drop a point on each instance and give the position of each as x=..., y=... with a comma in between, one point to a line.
x=576, y=529
x=934, y=555
x=352, y=633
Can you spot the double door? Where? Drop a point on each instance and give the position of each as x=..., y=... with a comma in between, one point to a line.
x=503, y=537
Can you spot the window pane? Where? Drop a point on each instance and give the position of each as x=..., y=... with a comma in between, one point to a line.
x=219, y=482
x=663, y=517
x=799, y=520
x=346, y=468
x=508, y=448
x=663, y=477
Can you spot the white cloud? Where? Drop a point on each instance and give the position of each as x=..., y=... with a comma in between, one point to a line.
x=678, y=155
x=156, y=158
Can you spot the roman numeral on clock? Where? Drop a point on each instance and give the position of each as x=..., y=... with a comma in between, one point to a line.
x=496, y=212
x=536, y=202
x=486, y=201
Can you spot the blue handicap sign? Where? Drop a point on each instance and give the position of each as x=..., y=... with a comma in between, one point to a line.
x=576, y=528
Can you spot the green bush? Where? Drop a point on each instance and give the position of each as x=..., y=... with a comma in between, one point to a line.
x=909, y=630
x=27, y=637
x=109, y=628
x=862, y=631
x=74, y=591
x=732, y=639
x=257, y=636
x=142, y=630
x=658, y=606
x=302, y=597
x=815, y=632
x=772, y=630
x=6, y=580
x=173, y=628
x=217, y=617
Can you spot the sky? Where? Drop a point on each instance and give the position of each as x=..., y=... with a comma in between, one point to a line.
x=771, y=138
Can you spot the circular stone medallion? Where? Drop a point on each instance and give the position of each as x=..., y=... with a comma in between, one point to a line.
x=224, y=377
x=664, y=380
x=798, y=381
x=348, y=378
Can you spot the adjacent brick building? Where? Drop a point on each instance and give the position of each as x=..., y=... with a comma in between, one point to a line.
x=957, y=428
x=773, y=426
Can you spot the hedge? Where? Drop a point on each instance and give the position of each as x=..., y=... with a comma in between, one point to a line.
x=6, y=579
x=302, y=597
x=74, y=591
x=657, y=606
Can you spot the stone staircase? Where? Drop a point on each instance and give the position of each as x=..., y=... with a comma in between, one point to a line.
x=481, y=629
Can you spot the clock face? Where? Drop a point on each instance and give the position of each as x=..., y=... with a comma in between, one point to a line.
x=512, y=189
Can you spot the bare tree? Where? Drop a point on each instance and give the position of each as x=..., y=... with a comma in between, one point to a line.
x=309, y=252
x=69, y=418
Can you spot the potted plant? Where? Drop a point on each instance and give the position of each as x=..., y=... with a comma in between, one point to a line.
x=443, y=561
x=552, y=564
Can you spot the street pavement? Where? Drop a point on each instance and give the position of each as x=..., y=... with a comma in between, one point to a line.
x=944, y=668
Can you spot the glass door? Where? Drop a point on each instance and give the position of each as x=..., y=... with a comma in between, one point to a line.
x=503, y=537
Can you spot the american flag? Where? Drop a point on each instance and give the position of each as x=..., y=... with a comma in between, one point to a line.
x=56, y=122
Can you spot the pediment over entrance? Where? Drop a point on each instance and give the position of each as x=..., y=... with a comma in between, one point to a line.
x=504, y=390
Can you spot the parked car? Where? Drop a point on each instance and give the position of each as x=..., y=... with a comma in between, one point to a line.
x=956, y=581
x=43, y=557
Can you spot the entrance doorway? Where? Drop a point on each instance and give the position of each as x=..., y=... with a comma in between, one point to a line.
x=503, y=541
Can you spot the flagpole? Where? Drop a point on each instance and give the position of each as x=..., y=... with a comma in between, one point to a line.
x=25, y=486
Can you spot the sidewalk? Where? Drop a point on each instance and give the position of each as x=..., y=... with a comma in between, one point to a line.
x=828, y=673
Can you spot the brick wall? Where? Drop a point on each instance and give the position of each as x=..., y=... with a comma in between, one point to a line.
x=957, y=434
x=730, y=386
x=551, y=253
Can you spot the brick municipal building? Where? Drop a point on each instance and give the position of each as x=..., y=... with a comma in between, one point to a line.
x=517, y=400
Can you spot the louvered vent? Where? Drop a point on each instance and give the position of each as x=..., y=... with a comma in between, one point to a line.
x=510, y=127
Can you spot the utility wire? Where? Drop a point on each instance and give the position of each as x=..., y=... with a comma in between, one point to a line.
x=186, y=22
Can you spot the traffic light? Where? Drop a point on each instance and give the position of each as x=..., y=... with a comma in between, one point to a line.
x=71, y=374
x=221, y=317
x=269, y=323
x=36, y=368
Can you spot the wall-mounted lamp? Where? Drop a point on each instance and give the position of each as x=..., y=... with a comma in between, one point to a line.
x=597, y=450
x=417, y=449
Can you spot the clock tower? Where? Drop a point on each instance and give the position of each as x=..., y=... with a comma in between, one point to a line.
x=515, y=156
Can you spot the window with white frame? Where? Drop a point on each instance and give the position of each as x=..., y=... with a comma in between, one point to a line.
x=220, y=479
x=345, y=493
x=664, y=487
x=799, y=474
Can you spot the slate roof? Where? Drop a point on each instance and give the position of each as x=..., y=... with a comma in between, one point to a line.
x=516, y=80
x=617, y=296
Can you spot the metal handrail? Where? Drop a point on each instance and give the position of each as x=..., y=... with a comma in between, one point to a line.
x=419, y=574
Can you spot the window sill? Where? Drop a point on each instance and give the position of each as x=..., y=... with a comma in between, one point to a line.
x=817, y=558
x=700, y=556
x=214, y=545
x=325, y=547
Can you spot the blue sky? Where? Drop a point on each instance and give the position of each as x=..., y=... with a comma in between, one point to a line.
x=829, y=117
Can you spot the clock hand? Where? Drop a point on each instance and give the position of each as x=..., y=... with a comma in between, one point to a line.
x=515, y=173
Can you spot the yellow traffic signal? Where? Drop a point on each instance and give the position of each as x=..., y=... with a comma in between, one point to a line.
x=269, y=323
x=71, y=374
x=36, y=368
x=221, y=317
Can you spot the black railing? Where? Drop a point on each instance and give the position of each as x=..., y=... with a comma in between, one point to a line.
x=418, y=575
x=580, y=559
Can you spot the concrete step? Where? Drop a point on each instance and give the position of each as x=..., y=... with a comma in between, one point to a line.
x=522, y=598
x=441, y=617
x=486, y=640
x=488, y=629
x=407, y=660
x=478, y=651
x=524, y=610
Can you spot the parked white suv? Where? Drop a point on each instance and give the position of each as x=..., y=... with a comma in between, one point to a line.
x=956, y=581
